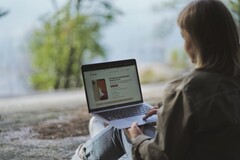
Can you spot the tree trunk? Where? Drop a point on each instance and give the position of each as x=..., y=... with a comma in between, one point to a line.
x=68, y=71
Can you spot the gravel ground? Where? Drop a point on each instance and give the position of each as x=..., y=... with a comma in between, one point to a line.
x=49, y=126
x=42, y=135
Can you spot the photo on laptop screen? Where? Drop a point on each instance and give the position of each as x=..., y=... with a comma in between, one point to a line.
x=99, y=89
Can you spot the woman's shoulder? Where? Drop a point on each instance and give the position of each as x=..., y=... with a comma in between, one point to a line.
x=195, y=81
x=189, y=79
x=199, y=83
x=210, y=80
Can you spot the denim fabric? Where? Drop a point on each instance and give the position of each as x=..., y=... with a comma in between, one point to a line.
x=111, y=143
x=107, y=144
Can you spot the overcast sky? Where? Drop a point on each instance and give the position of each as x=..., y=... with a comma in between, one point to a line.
x=24, y=17
x=132, y=35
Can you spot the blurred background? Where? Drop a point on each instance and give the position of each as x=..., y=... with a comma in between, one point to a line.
x=43, y=43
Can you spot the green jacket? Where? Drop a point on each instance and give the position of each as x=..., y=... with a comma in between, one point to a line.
x=200, y=120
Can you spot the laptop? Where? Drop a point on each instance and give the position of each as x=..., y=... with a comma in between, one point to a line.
x=113, y=93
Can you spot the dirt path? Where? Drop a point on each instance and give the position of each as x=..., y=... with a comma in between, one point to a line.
x=48, y=126
x=42, y=135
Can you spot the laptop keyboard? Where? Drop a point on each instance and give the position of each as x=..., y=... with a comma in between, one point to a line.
x=124, y=113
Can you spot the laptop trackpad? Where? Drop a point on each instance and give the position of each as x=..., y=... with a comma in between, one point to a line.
x=127, y=122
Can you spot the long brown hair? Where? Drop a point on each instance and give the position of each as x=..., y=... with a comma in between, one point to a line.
x=214, y=35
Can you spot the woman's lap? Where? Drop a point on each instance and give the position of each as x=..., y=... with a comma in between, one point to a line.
x=111, y=142
x=108, y=143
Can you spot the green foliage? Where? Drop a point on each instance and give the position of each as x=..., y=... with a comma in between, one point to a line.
x=235, y=7
x=64, y=41
x=3, y=12
x=147, y=76
x=150, y=75
x=179, y=59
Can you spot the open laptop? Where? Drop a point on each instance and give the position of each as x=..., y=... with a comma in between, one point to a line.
x=114, y=93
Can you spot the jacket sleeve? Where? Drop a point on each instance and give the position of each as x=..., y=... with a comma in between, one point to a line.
x=173, y=132
x=143, y=148
x=146, y=148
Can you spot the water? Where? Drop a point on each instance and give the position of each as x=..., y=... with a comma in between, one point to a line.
x=14, y=71
x=133, y=35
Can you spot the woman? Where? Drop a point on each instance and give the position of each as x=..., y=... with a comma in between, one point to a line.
x=201, y=110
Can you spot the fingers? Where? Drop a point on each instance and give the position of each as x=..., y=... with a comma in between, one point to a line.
x=150, y=113
x=134, y=125
x=134, y=131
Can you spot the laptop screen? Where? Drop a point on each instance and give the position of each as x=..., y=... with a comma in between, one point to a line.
x=111, y=84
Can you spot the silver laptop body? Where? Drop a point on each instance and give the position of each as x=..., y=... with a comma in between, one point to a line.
x=113, y=93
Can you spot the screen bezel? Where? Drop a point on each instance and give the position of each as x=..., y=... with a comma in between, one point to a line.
x=106, y=65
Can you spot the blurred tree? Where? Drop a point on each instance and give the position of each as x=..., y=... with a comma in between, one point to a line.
x=67, y=39
x=235, y=6
x=179, y=59
x=3, y=12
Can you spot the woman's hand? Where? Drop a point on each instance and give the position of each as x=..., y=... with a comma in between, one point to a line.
x=133, y=131
x=151, y=112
